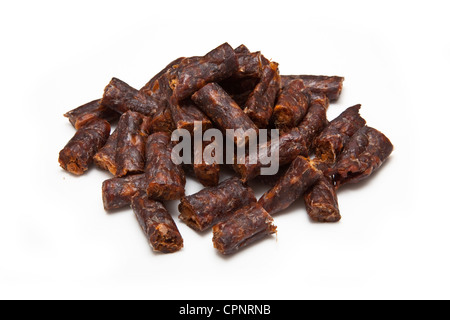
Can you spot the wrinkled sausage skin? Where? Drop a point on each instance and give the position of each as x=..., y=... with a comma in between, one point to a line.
x=157, y=224
x=294, y=142
x=366, y=151
x=118, y=192
x=208, y=174
x=79, y=152
x=300, y=176
x=331, y=86
x=89, y=111
x=194, y=73
x=132, y=134
x=330, y=143
x=121, y=97
x=321, y=202
x=165, y=180
x=292, y=106
x=259, y=106
x=206, y=208
x=315, y=120
x=152, y=88
x=105, y=158
x=250, y=64
x=249, y=224
x=185, y=113
x=222, y=110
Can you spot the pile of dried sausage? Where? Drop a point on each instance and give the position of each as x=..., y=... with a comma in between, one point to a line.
x=225, y=89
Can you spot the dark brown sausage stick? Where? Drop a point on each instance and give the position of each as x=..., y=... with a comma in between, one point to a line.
x=292, y=106
x=79, y=152
x=300, y=176
x=321, y=202
x=121, y=97
x=194, y=73
x=207, y=173
x=185, y=113
x=250, y=64
x=247, y=225
x=259, y=106
x=330, y=143
x=132, y=134
x=105, y=159
x=87, y=112
x=152, y=88
x=222, y=110
x=295, y=142
x=331, y=86
x=165, y=180
x=212, y=205
x=160, y=229
x=366, y=151
x=118, y=192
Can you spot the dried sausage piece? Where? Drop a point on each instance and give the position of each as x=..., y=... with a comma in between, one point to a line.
x=322, y=203
x=315, y=120
x=331, y=86
x=246, y=226
x=162, y=120
x=194, y=73
x=153, y=86
x=121, y=97
x=118, y=192
x=105, y=159
x=185, y=113
x=242, y=49
x=249, y=64
x=300, y=176
x=160, y=229
x=366, y=151
x=259, y=106
x=206, y=208
x=222, y=110
x=292, y=106
x=289, y=145
x=207, y=173
x=87, y=112
x=295, y=142
x=79, y=152
x=334, y=137
x=165, y=180
x=132, y=134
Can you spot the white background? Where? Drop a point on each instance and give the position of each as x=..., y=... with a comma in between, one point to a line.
x=56, y=241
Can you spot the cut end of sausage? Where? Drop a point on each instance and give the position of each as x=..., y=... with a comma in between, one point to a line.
x=325, y=214
x=75, y=169
x=166, y=240
x=325, y=152
x=105, y=163
x=189, y=216
x=71, y=164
